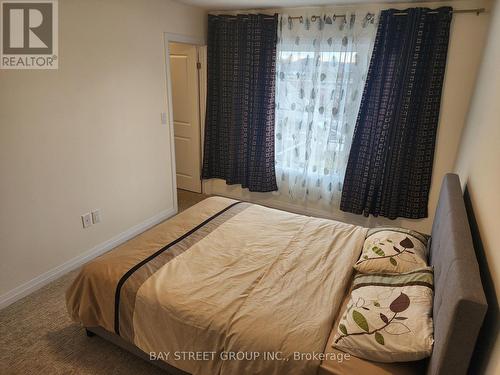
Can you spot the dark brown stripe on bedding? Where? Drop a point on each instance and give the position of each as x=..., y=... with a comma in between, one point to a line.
x=129, y=284
x=421, y=283
x=422, y=270
x=422, y=277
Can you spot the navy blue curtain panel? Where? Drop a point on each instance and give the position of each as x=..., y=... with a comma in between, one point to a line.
x=239, y=126
x=390, y=161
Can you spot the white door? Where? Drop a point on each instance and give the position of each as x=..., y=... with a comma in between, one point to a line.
x=185, y=101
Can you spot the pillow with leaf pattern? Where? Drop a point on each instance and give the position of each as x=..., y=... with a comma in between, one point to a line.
x=392, y=250
x=388, y=317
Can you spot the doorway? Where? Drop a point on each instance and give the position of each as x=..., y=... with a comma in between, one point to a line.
x=185, y=83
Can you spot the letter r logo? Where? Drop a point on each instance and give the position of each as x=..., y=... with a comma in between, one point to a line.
x=27, y=28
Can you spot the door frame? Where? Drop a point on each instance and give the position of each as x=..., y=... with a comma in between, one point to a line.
x=198, y=42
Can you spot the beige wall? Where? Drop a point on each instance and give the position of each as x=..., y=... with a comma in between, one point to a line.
x=478, y=165
x=87, y=135
x=468, y=33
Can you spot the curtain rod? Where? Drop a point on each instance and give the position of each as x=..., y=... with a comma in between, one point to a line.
x=474, y=10
x=314, y=18
x=334, y=16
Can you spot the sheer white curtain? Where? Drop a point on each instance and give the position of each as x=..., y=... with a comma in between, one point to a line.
x=322, y=63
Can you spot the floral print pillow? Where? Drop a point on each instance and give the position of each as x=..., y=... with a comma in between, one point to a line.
x=388, y=317
x=392, y=250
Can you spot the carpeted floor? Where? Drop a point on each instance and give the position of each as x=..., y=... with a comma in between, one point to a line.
x=37, y=336
x=186, y=199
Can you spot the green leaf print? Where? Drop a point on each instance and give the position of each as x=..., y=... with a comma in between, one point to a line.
x=360, y=320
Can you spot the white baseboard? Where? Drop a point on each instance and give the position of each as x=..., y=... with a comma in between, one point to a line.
x=45, y=278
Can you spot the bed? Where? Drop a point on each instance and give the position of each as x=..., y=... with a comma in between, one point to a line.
x=229, y=287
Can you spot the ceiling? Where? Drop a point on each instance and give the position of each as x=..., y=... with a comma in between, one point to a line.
x=261, y=4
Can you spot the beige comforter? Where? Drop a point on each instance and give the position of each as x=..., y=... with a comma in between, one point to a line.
x=221, y=280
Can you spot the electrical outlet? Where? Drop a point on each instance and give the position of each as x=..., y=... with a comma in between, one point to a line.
x=163, y=118
x=87, y=220
x=96, y=216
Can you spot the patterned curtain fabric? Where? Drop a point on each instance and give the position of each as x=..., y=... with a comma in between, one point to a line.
x=322, y=64
x=390, y=162
x=239, y=127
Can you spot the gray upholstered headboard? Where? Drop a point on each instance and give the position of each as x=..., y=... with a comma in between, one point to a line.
x=459, y=301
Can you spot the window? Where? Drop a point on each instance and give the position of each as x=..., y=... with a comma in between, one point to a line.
x=321, y=68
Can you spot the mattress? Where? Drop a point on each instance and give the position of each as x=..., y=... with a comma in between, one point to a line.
x=222, y=280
